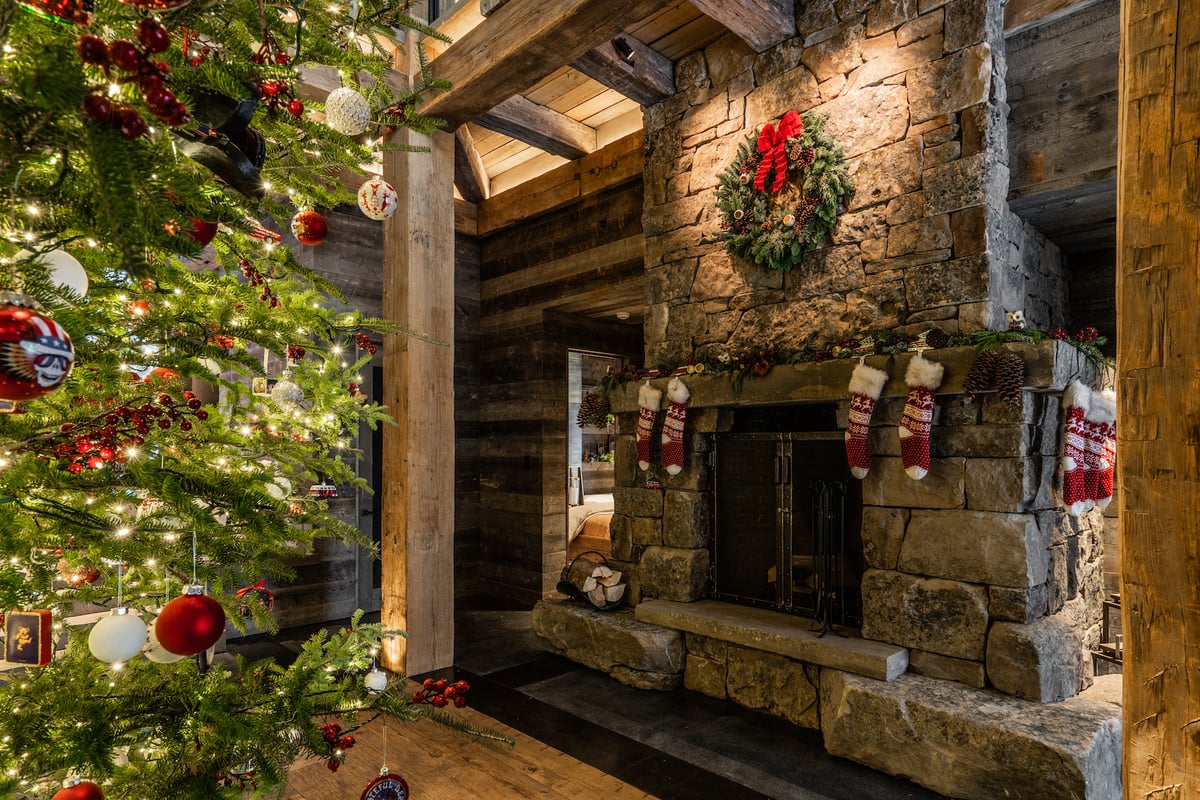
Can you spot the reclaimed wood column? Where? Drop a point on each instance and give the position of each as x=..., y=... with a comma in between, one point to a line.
x=418, y=377
x=1158, y=453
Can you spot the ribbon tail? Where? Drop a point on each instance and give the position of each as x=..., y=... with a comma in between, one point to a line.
x=780, y=169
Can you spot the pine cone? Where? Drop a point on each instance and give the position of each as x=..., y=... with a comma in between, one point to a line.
x=982, y=374
x=594, y=410
x=936, y=338
x=1010, y=377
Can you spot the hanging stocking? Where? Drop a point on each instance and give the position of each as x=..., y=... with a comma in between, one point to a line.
x=1099, y=434
x=1076, y=401
x=672, y=437
x=866, y=384
x=649, y=400
x=922, y=378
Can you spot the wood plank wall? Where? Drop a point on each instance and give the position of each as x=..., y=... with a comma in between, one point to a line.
x=527, y=270
x=467, y=378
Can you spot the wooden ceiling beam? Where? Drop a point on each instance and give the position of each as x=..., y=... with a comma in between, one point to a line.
x=521, y=43
x=643, y=75
x=544, y=128
x=469, y=174
x=762, y=24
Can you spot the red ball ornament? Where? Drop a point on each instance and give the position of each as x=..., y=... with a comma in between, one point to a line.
x=36, y=354
x=84, y=790
x=202, y=233
x=153, y=35
x=309, y=227
x=190, y=624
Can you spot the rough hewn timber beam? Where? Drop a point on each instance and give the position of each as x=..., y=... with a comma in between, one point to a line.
x=521, y=43
x=544, y=128
x=469, y=175
x=644, y=76
x=1022, y=14
x=762, y=24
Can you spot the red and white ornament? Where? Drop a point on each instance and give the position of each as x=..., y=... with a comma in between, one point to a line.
x=347, y=111
x=309, y=227
x=79, y=790
x=190, y=624
x=36, y=354
x=377, y=199
x=386, y=787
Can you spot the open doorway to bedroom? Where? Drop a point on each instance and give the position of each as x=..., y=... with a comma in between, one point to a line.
x=591, y=434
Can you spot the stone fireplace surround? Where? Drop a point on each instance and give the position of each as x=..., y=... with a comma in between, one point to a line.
x=980, y=598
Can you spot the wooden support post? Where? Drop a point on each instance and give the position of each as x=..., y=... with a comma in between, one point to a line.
x=418, y=452
x=1158, y=455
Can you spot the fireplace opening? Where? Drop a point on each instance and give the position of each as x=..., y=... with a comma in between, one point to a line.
x=788, y=516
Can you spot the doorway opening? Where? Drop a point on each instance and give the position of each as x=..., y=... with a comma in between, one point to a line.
x=591, y=434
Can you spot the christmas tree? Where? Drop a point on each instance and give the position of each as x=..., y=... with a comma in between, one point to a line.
x=150, y=154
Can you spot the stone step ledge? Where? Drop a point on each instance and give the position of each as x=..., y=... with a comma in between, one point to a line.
x=777, y=633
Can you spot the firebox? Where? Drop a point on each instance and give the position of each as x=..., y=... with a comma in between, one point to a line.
x=787, y=523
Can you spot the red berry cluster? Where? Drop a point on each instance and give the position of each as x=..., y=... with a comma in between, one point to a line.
x=295, y=352
x=357, y=393
x=150, y=76
x=278, y=94
x=364, y=343
x=270, y=52
x=107, y=438
x=331, y=732
x=438, y=693
x=257, y=278
x=1083, y=335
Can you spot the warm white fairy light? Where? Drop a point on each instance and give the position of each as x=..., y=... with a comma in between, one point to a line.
x=122, y=532
x=114, y=89
x=29, y=237
x=92, y=243
x=33, y=210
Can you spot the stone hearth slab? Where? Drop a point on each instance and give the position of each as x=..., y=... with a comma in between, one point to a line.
x=636, y=654
x=974, y=743
x=777, y=633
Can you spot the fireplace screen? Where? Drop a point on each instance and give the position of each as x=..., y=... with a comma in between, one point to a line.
x=788, y=525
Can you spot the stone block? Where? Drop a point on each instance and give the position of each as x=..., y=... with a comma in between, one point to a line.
x=620, y=533
x=887, y=484
x=795, y=89
x=636, y=654
x=1010, y=484
x=709, y=114
x=882, y=535
x=774, y=684
x=646, y=531
x=890, y=61
x=976, y=547
x=867, y=119
x=1019, y=605
x=686, y=519
x=947, y=282
x=672, y=573
x=923, y=235
x=932, y=665
x=776, y=61
x=955, y=82
x=638, y=502
x=837, y=54
x=705, y=676
x=879, y=175
x=1041, y=661
x=941, y=616
x=964, y=742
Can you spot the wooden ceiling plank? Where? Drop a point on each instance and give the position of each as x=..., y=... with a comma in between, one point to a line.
x=663, y=22
x=697, y=34
x=613, y=112
x=520, y=44
x=564, y=81
x=762, y=24
x=541, y=127
x=644, y=76
x=470, y=176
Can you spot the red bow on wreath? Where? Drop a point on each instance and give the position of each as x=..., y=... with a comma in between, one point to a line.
x=772, y=143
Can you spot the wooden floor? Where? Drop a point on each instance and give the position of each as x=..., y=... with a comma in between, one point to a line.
x=441, y=764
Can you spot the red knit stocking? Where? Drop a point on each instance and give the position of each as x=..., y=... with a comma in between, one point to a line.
x=866, y=384
x=1076, y=401
x=922, y=377
x=649, y=400
x=672, y=435
x=1100, y=448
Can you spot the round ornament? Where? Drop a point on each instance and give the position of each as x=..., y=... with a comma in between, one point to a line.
x=202, y=233
x=386, y=787
x=377, y=199
x=190, y=624
x=376, y=681
x=157, y=5
x=347, y=111
x=63, y=269
x=79, y=790
x=36, y=354
x=779, y=198
x=279, y=488
x=309, y=227
x=156, y=652
x=118, y=637
x=77, y=12
x=286, y=392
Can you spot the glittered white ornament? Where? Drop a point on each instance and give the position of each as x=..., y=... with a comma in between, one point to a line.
x=118, y=637
x=279, y=487
x=347, y=111
x=377, y=199
x=376, y=680
x=156, y=652
x=286, y=392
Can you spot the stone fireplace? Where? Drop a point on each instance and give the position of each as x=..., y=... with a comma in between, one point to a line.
x=980, y=595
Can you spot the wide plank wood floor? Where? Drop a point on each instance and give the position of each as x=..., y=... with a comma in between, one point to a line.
x=442, y=764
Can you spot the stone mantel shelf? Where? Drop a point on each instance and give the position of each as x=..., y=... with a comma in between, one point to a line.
x=777, y=633
x=1049, y=366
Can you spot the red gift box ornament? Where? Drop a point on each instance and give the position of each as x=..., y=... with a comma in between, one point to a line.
x=29, y=638
x=36, y=354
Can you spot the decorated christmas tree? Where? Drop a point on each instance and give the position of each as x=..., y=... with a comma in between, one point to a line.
x=151, y=152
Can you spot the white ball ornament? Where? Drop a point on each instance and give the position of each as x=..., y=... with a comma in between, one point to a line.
x=377, y=199
x=376, y=681
x=347, y=111
x=63, y=269
x=156, y=652
x=117, y=637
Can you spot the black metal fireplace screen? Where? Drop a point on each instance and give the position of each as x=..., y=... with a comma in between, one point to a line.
x=788, y=519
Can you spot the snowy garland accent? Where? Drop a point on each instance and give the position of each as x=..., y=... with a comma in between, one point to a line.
x=780, y=196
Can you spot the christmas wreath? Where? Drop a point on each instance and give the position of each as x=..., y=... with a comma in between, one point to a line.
x=780, y=195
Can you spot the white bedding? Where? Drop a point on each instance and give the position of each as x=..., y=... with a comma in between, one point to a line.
x=592, y=504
